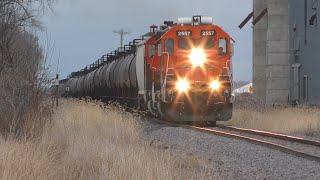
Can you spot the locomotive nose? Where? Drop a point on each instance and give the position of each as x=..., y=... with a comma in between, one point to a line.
x=185, y=86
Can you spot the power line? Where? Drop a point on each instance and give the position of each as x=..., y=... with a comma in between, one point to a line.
x=122, y=33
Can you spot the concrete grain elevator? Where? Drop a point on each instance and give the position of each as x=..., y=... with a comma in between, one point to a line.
x=286, y=51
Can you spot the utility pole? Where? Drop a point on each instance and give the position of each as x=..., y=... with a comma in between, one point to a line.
x=122, y=33
x=57, y=90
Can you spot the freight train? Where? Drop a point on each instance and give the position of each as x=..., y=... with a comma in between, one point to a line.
x=179, y=72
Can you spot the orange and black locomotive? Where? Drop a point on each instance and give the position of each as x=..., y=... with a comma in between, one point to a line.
x=179, y=71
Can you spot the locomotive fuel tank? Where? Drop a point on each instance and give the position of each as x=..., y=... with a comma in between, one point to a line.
x=133, y=73
x=113, y=74
x=86, y=84
x=104, y=86
x=62, y=89
x=123, y=74
x=119, y=74
x=124, y=80
x=80, y=86
x=108, y=73
x=73, y=86
x=97, y=78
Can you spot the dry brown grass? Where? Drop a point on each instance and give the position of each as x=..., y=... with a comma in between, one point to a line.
x=300, y=120
x=89, y=142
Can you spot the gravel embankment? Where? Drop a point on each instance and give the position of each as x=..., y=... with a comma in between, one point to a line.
x=248, y=102
x=226, y=158
x=309, y=149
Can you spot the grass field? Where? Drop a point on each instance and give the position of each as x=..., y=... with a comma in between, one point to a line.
x=299, y=120
x=92, y=141
x=89, y=141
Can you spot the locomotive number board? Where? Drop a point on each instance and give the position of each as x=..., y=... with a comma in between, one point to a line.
x=184, y=33
x=208, y=33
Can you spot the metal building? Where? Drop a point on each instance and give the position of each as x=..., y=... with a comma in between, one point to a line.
x=286, y=51
x=304, y=51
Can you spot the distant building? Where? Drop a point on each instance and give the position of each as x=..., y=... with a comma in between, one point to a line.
x=286, y=51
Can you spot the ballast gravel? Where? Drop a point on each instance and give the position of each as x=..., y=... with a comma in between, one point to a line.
x=227, y=158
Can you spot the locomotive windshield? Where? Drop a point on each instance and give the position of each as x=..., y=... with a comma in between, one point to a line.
x=222, y=46
x=169, y=46
x=152, y=50
x=183, y=44
x=209, y=43
x=186, y=44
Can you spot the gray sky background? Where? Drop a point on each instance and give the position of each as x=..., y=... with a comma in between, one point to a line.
x=81, y=30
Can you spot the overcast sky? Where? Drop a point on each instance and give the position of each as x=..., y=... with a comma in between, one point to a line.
x=81, y=30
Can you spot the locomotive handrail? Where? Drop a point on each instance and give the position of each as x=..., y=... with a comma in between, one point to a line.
x=230, y=70
x=127, y=48
x=165, y=78
x=135, y=41
x=104, y=58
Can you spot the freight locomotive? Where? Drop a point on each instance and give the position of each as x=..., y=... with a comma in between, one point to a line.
x=179, y=71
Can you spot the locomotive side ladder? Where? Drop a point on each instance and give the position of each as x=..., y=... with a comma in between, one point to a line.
x=164, y=86
x=230, y=74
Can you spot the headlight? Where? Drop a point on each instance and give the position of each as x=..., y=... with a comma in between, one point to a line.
x=197, y=57
x=183, y=85
x=215, y=85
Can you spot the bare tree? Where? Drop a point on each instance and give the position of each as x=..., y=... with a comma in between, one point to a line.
x=22, y=70
x=17, y=15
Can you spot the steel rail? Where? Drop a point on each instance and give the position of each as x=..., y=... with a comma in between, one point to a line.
x=258, y=142
x=267, y=144
x=273, y=135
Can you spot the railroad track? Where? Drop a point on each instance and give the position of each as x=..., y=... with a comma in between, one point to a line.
x=288, y=144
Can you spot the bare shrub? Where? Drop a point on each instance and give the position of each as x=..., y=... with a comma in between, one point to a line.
x=90, y=142
x=22, y=89
x=23, y=80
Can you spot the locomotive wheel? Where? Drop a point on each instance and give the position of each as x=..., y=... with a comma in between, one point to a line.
x=151, y=109
x=141, y=104
x=211, y=124
x=203, y=123
x=162, y=109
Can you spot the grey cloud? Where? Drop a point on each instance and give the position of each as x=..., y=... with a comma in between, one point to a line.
x=82, y=29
